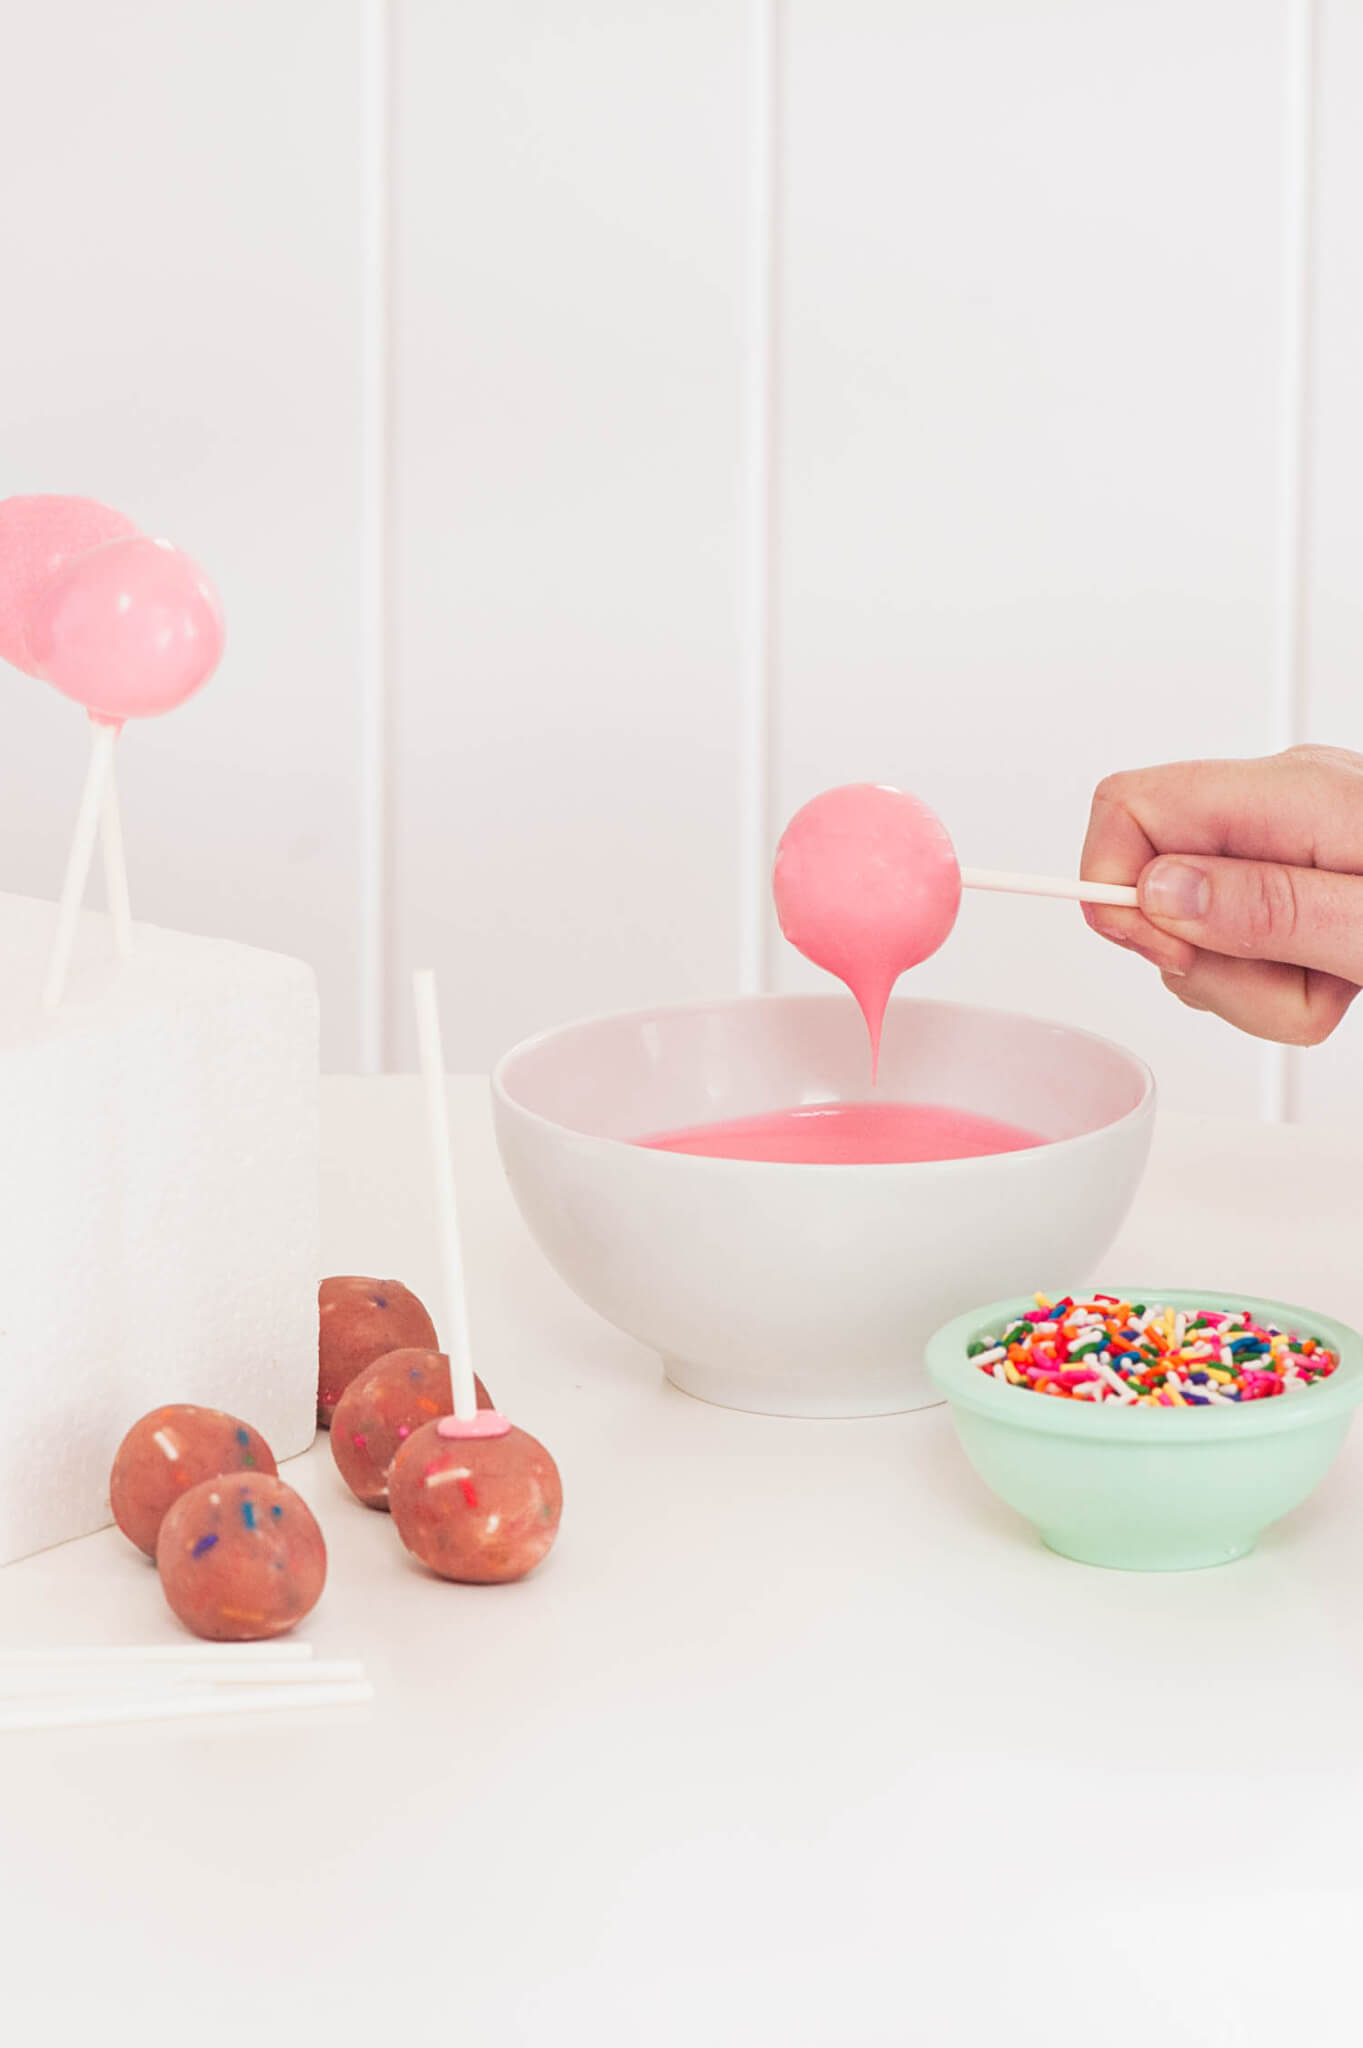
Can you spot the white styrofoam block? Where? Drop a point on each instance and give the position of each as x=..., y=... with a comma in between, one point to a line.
x=158, y=1205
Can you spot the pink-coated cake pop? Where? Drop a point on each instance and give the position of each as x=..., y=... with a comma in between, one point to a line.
x=169, y=1451
x=866, y=884
x=129, y=630
x=478, y=1500
x=241, y=1558
x=384, y=1405
x=38, y=536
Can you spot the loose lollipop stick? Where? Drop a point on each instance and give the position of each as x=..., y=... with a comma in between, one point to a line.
x=442, y=1164
x=168, y=1705
x=116, y=869
x=193, y=1656
x=1049, y=885
x=78, y=861
x=103, y=1682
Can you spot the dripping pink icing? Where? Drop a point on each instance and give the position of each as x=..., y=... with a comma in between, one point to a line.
x=866, y=884
x=850, y=1134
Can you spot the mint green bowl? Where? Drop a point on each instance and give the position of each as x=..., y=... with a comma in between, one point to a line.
x=1149, y=1489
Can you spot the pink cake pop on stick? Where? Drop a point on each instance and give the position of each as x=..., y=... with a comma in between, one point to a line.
x=38, y=536
x=473, y=1497
x=867, y=884
x=130, y=630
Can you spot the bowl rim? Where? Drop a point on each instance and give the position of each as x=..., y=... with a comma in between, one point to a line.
x=1141, y=1109
x=965, y=1386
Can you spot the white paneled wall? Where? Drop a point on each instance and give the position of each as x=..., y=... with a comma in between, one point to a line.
x=568, y=348
x=1031, y=340
x=610, y=423
x=180, y=223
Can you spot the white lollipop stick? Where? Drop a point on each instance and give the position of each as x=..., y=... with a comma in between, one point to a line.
x=168, y=1705
x=1049, y=885
x=116, y=869
x=108, y=1655
x=59, y=1681
x=442, y=1164
x=102, y=739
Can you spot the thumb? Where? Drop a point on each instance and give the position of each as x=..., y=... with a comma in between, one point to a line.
x=1259, y=910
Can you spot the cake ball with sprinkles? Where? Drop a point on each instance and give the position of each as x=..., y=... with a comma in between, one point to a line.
x=170, y=1450
x=478, y=1501
x=359, y=1321
x=381, y=1408
x=1104, y=1349
x=241, y=1558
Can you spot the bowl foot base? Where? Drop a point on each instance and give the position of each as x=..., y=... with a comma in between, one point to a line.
x=756, y=1394
x=1120, y=1555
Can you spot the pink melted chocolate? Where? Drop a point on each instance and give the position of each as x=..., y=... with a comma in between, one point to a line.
x=850, y=1134
x=866, y=884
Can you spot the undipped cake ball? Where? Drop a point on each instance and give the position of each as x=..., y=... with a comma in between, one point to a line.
x=241, y=1558
x=381, y=1408
x=359, y=1321
x=167, y=1453
x=482, y=1509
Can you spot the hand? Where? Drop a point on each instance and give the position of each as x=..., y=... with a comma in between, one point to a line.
x=1250, y=876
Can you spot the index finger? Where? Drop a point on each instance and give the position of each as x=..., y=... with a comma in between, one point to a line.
x=1118, y=848
x=1303, y=808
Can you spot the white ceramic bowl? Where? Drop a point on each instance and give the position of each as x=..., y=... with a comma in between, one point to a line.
x=812, y=1290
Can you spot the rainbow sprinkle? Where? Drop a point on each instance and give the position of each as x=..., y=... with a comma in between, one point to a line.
x=1150, y=1356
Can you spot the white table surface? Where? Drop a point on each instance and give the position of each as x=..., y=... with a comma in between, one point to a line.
x=797, y=1738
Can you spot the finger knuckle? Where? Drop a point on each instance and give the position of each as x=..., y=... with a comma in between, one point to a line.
x=1272, y=910
x=1113, y=791
x=1310, y=754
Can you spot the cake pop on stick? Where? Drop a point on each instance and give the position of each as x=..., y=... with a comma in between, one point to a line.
x=130, y=630
x=867, y=884
x=472, y=1497
x=38, y=536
